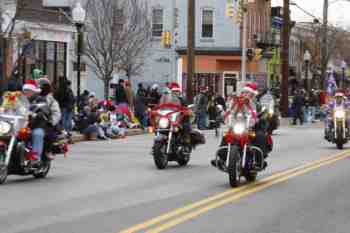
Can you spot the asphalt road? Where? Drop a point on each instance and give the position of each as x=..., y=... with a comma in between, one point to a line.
x=108, y=187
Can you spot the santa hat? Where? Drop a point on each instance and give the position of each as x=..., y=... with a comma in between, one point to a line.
x=251, y=88
x=31, y=85
x=174, y=87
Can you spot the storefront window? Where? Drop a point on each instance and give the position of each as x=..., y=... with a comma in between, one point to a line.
x=50, y=57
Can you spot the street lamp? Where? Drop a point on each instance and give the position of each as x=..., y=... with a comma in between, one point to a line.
x=79, y=14
x=307, y=59
x=343, y=67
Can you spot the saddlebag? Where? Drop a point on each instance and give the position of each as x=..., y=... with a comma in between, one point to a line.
x=197, y=138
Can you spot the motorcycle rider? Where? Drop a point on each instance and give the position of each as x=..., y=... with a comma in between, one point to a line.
x=54, y=114
x=339, y=100
x=38, y=124
x=248, y=95
x=43, y=121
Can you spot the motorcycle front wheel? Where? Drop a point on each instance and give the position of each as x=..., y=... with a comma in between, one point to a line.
x=340, y=145
x=159, y=156
x=234, y=166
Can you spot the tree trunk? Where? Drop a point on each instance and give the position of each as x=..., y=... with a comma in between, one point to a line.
x=106, y=88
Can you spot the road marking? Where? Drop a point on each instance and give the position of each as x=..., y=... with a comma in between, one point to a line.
x=230, y=196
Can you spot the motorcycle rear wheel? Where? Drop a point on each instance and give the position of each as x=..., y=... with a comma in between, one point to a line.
x=184, y=161
x=159, y=156
x=234, y=167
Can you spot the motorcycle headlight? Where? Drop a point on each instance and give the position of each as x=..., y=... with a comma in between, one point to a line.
x=163, y=123
x=4, y=127
x=271, y=112
x=238, y=128
x=339, y=114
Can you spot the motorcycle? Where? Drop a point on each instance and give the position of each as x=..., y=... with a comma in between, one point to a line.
x=170, y=143
x=238, y=154
x=16, y=156
x=339, y=133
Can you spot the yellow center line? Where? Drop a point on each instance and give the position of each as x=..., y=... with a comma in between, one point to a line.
x=231, y=192
x=258, y=187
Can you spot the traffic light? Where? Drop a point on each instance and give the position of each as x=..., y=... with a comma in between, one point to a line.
x=258, y=54
x=166, y=39
x=240, y=10
x=230, y=11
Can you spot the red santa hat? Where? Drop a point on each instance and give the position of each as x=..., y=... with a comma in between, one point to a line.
x=251, y=88
x=174, y=87
x=31, y=85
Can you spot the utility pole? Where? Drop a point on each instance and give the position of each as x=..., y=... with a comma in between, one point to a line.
x=324, y=52
x=244, y=45
x=285, y=59
x=190, y=49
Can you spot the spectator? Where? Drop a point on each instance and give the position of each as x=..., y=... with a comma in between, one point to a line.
x=141, y=110
x=120, y=94
x=84, y=100
x=66, y=100
x=93, y=101
x=155, y=95
x=87, y=123
x=129, y=95
x=141, y=91
x=201, y=108
x=298, y=107
x=219, y=100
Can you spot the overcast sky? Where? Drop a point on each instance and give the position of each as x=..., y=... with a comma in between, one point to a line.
x=339, y=12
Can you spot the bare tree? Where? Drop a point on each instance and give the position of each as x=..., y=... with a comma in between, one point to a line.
x=138, y=36
x=311, y=36
x=116, y=38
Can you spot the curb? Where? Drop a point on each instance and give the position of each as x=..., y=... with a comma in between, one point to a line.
x=76, y=138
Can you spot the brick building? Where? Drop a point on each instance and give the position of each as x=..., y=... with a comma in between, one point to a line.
x=259, y=37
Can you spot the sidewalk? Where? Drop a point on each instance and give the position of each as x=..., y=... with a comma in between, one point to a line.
x=285, y=122
x=76, y=137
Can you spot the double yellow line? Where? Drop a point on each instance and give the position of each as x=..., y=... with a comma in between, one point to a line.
x=183, y=214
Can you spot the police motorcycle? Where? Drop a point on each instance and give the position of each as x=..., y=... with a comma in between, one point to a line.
x=238, y=155
x=170, y=143
x=16, y=156
x=339, y=131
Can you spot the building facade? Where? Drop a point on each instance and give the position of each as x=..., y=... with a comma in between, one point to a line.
x=218, y=46
x=260, y=40
x=42, y=40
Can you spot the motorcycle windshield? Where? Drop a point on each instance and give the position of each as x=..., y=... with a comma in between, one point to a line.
x=239, y=118
x=267, y=102
x=170, y=113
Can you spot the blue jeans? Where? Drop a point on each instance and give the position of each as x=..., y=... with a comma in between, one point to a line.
x=67, y=117
x=201, y=119
x=38, y=136
x=312, y=112
x=144, y=120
